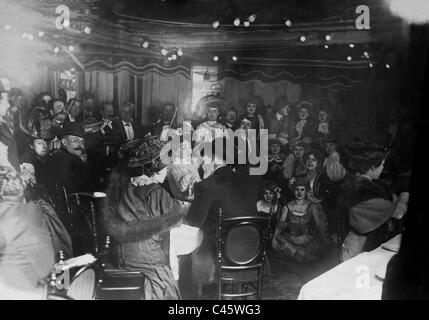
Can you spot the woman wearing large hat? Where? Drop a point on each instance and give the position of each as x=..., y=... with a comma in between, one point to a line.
x=138, y=213
x=33, y=161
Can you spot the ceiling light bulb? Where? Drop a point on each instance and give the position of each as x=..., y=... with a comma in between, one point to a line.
x=41, y=34
x=30, y=36
x=237, y=22
x=326, y=46
x=288, y=23
x=164, y=52
x=71, y=48
x=246, y=23
x=371, y=65
x=215, y=58
x=56, y=50
x=349, y=58
x=302, y=38
x=328, y=37
x=215, y=24
x=174, y=57
x=234, y=58
x=180, y=52
x=387, y=66
x=170, y=58
x=87, y=30
x=351, y=45
x=145, y=44
x=252, y=18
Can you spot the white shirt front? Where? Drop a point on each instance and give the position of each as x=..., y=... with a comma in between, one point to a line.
x=128, y=130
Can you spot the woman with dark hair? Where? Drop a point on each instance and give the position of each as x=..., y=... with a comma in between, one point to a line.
x=368, y=204
x=252, y=107
x=301, y=232
x=269, y=204
x=138, y=213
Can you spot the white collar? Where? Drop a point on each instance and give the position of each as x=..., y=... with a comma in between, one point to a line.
x=142, y=180
x=279, y=116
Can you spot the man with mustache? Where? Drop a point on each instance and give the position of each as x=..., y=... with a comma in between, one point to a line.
x=68, y=167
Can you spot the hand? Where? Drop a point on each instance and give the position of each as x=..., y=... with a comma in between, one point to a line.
x=400, y=210
x=275, y=244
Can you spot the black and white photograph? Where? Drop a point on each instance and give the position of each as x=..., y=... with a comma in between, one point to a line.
x=210, y=150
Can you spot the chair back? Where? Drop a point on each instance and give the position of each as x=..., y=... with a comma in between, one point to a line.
x=83, y=284
x=83, y=210
x=241, y=249
x=117, y=283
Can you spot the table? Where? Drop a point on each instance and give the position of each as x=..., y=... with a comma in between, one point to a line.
x=354, y=279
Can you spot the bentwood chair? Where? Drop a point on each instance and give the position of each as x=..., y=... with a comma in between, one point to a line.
x=116, y=283
x=73, y=283
x=241, y=249
x=82, y=207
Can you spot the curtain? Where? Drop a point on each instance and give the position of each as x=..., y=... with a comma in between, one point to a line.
x=151, y=88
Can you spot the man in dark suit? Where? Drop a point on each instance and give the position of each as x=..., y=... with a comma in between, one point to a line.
x=128, y=128
x=68, y=167
x=236, y=194
x=6, y=127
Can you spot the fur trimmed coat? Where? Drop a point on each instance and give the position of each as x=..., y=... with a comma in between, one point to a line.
x=140, y=220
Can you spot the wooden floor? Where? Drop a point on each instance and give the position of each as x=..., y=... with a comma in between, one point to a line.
x=283, y=282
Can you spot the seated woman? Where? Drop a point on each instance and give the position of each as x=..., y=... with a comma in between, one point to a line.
x=138, y=213
x=293, y=164
x=367, y=203
x=300, y=232
x=269, y=204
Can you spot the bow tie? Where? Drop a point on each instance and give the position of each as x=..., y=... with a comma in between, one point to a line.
x=127, y=124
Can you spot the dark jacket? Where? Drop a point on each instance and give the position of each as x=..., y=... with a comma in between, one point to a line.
x=366, y=207
x=236, y=194
x=122, y=135
x=39, y=164
x=69, y=171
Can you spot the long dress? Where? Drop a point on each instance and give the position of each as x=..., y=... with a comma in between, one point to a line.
x=145, y=214
x=301, y=237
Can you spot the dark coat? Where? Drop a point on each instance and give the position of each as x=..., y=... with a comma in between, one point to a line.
x=68, y=170
x=122, y=135
x=366, y=207
x=6, y=138
x=236, y=194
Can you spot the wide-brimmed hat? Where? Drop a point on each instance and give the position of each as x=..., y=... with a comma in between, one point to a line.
x=141, y=152
x=254, y=99
x=73, y=129
x=41, y=129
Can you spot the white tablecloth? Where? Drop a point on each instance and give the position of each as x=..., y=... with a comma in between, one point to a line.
x=183, y=240
x=354, y=279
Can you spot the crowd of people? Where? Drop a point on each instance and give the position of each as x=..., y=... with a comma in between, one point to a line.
x=321, y=192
